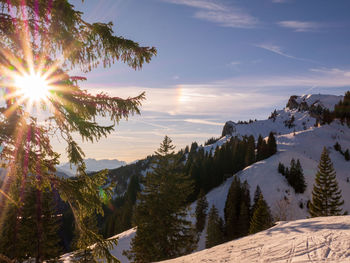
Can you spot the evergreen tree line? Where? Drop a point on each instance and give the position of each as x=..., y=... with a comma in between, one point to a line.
x=240, y=218
x=341, y=111
x=208, y=170
x=31, y=230
x=294, y=175
x=345, y=153
x=118, y=213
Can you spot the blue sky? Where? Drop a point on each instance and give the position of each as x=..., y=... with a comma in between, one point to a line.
x=217, y=60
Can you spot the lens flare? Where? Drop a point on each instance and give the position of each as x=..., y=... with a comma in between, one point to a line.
x=32, y=87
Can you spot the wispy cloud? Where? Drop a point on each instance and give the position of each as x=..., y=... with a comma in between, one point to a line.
x=206, y=122
x=234, y=63
x=280, y=1
x=278, y=50
x=300, y=26
x=332, y=71
x=219, y=13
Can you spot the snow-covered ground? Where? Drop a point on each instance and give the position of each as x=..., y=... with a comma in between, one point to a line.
x=321, y=239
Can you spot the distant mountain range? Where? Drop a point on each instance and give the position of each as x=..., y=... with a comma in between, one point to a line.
x=92, y=165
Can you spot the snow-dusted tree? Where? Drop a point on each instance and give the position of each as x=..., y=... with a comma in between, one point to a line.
x=326, y=195
x=215, y=229
x=201, y=211
x=163, y=231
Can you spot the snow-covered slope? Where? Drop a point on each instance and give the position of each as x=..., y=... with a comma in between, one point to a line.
x=297, y=106
x=92, y=165
x=322, y=239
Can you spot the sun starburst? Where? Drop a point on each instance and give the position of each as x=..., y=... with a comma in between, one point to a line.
x=33, y=87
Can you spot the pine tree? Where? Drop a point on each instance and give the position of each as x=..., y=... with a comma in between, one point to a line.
x=160, y=214
x=326, y=196
x=259, y=153
x=299, y=185
x=281, y=168
x=236, y=210
x=347, y=155
x=201, y=211
x=50, y=38
x=262, y=218
x=257, y=194
x=31, y=229
x=271, y=144
x=250, y=154
x=40, y=224
x=215, y=234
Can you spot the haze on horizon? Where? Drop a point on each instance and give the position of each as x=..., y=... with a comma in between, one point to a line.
x=217, y=60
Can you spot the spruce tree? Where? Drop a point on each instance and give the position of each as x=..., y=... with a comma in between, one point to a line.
x=250, y=154
x=271, y=144
x=299, y=185
x=215, y=234
x=262, y=218
x=326, y=195
x=201, y=211
x=281, y=168
x=160, y=214
x=39, y=225
x=257, y=194
x=259, y=153
x=237, y=210
x=347, y=155
x=49, y=39
x=31, y=229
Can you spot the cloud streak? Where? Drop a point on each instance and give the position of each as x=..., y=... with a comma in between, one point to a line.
x=219, y=13
x=300, y=26
x=205, y=122
x=279, y=51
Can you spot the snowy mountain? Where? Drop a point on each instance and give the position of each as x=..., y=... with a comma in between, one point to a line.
x=92, y=165
x=298, y=138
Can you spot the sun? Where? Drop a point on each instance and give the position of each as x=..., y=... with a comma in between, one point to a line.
x=32, y=87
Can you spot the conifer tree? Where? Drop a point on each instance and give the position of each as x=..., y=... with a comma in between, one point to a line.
x=299, y=185
x=271, y=144
x=281, y=168
x=347, y=155
x=262, y=149
x=215, y=233
x=201, y=211
x=262, y=218
x=257, y=194
x=48, y=39
x=160, y=214
x=236, y=210
x=326, y=195
x=250, y=154
x=31, y=230
x=39, y=225
x=259, y=156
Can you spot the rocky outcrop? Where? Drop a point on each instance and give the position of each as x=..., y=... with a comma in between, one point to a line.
x=292, y=103
x=229, y=128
